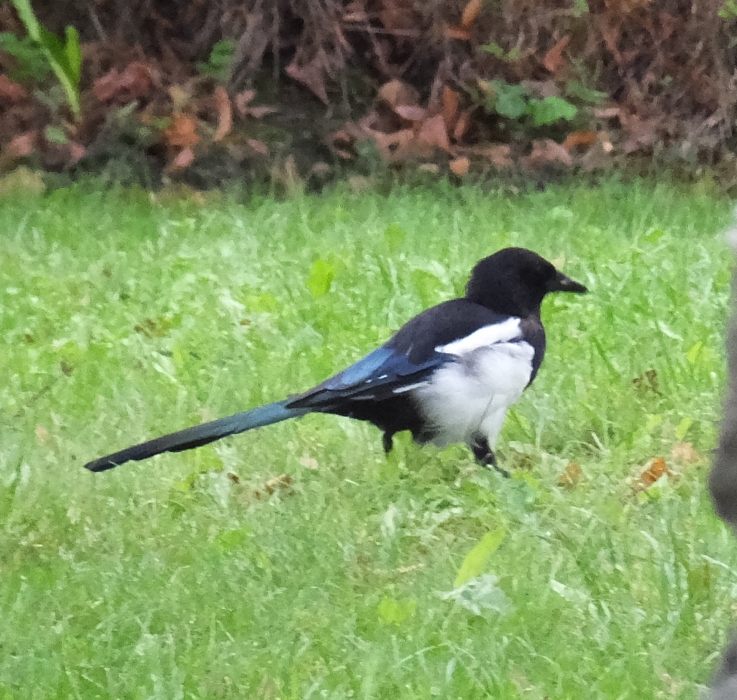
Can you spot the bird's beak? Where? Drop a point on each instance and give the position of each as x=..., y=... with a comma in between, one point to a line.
x=562, y=283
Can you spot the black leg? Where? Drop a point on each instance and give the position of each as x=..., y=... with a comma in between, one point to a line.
x=388, y=442
x=485, y=455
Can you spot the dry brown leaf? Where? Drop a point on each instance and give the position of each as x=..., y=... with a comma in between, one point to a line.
x=22, y=145
x=11, y=91
x=547, y=152
x=433, y=133
x=180, y=97
x=311, y=75
x=136, y=81
x=225, y=113
x=458, y=33
x=242, y=100
x=412, y=113
x=397, y=92
x=459, y=166
x=261, y=111
x=76, y=152
x=182, y=132
x=500, y=156
x=450, y=108
x=579, y=138
x=461, y=126
x=184, y=159
x=648, y=381
x=258, y=146
x=571, y=475
x=470, y=13
x=607, y=112
x=655, y=469
x=685, y=453
x=553, y=59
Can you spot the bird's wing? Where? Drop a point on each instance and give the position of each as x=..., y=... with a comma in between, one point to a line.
x=434, y=338
x=382, y=373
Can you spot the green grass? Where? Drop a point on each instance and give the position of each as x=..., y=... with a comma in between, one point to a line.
x=121, y=319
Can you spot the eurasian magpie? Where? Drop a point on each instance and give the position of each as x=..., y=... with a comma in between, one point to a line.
x=448, y=375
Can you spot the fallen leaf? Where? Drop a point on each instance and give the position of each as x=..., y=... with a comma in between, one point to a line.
x=655, y=469
x=22, y=145
x=461, y=126
x=412, y=113
x=397, y=92
x=450, y=108
x=76, y=152
x=579, y=138
x=135, y=82
x=607, y=112
x=459, y=166
x=184, y=159
x=500, y=156
x=258, y=146
x=547, y=152
x=685, y=453
x=260, y=111
x=242, y=100
x=433, y=133
x=182, y=132
x=458, y=33
x=179, y=96
x=553, y=59
x=648, y=381
x=471, y=12
x=311, y=75
x=571, y=475
x=11, y=91
x=225, y=113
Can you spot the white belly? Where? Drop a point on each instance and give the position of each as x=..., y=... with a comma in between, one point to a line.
x=471, y=397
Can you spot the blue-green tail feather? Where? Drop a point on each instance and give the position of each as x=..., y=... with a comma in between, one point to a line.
x=199, y=435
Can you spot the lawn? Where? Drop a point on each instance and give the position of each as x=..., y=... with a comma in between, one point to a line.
x=297, y=561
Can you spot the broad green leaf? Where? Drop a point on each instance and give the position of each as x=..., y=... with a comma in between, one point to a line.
x=551, y=110
x=394, y=237
x=585, y=94
x=511, y=100
x=74, y=54
x=394, y=612
x=475, y=562
x=55, y=134
x=321, y=278
x=683, y=428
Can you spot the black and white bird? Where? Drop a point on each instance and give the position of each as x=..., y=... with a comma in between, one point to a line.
x=448, y=375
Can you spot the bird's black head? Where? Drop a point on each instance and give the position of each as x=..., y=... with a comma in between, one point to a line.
x=514, y=281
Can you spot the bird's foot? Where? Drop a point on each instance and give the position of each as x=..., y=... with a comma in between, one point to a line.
x=485, y=456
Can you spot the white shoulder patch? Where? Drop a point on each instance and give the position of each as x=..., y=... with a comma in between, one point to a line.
x=484, y=337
